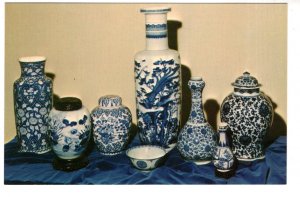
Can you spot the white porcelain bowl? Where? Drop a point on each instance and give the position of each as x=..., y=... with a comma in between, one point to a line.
x=146, y=157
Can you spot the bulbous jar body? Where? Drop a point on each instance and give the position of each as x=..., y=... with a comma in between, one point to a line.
x=157, y=83
x=32, y=104
x=70, y=128
x=111, y=125
x=197, y=139
x=249, y=114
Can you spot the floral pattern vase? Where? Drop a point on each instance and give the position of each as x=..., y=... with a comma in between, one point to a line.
x=197, y=139
x=223, y=157
x=70, y=131
x=157, y=83
x=32, y=104
x=249, y=114
x=111, y=125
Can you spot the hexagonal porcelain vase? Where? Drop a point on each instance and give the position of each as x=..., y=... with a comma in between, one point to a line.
x=32, y=103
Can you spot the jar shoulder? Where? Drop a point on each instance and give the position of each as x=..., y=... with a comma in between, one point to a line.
x=32, y=80
x=77, y=114
x=114, y=111
x=261, y=98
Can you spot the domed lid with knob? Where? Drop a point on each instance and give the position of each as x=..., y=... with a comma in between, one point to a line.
x=110, y=101
x=246, y=81
x=68, y=104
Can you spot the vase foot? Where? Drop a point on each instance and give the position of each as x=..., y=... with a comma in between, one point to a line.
x=226, y=174
x=245, y=161
x=70, y=164
x=202, y=162
x=36, y=152
x=111, y=154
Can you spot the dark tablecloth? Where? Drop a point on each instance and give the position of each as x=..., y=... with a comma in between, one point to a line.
x=27, y=168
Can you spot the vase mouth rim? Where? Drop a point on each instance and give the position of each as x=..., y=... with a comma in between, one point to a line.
x=196, y=78
x=28, y=59
x=155, y=10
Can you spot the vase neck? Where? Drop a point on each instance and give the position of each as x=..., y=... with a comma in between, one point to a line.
x=197, y=113
x=156, y=31
x=223, y=141
x=32, y=69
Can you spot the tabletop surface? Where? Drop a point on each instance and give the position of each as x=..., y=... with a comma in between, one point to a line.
x=28, y=168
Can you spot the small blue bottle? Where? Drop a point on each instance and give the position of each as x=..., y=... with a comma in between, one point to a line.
x=223, y=158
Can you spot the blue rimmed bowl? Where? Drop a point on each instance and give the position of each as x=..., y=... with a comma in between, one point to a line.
x=146, y=157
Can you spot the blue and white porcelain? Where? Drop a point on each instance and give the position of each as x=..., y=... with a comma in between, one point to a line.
x=146, y=157
x=70, y=128
x=32, y=104
x=249, y=114
x=197, y=139
x=111, y=125
x=223, y=157
x=157, y=83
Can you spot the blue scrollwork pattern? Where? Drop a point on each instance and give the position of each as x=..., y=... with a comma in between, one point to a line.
x=111, y=128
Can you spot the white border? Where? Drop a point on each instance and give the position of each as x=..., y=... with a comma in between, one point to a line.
x=187, y=190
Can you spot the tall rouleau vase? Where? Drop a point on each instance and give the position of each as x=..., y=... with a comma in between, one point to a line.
x=32, y=103
x=157, y=83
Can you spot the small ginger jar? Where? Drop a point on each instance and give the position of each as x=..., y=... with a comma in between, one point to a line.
x=249, y=115
x=111, y=125
x=70, y=131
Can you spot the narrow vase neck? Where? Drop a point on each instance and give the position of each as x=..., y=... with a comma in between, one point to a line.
x=197, y=113
x=156, y=31
x=223, y=141
x=32, y=69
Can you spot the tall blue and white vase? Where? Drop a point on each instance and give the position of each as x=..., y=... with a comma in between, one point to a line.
x=32, y=104
x=157, y=83
x=223, y=158
x=111, y=125
x=70, y=131
x=197, y=139
x=249, y=114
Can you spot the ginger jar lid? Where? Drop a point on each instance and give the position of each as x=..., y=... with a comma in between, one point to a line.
x=110, y=101
x=246, y=81
x=68, y=104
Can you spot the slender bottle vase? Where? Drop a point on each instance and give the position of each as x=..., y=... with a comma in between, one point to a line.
x=32, y=104
x=157, y=83
x=223, y=158
x=197, y=139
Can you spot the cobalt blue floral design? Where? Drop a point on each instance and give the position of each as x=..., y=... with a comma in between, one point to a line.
x=69, y=132
x=111, y=125
x=141, y=164
x=158, y=100
x=32, y=104
x=249, y=114
x=223, y=157
x=196, y=140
